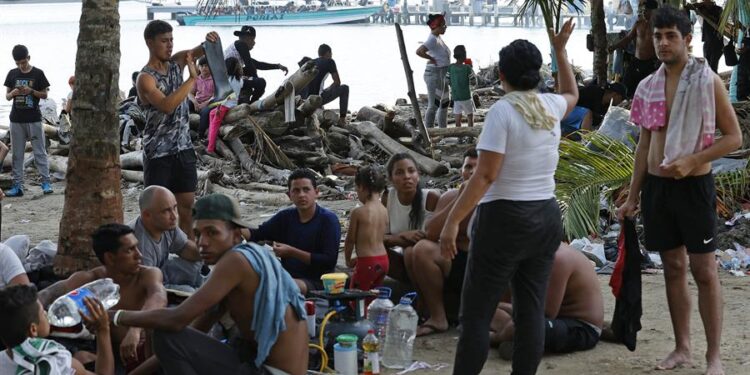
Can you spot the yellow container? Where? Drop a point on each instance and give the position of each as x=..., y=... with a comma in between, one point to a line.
x=334, y=283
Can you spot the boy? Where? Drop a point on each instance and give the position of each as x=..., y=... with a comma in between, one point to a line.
x=461, y=76
x=23, y=324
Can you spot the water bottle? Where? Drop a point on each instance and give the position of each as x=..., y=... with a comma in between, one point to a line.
x=64, y=311
x=399, y=337
x=377, y=313
x=371, y=347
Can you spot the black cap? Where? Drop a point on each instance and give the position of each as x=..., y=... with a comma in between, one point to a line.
x=245, y=30
x=618, y=88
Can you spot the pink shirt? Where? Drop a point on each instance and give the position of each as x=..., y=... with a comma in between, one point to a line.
x=204, y=88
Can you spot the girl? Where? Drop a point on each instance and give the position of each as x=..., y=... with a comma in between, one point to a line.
x=234, y=69
x=366, y=231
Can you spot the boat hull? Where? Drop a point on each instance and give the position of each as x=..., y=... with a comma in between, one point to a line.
x=325, y=17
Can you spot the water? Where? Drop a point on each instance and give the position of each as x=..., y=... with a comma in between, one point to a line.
x=367, y=56
x=64, y=311
x=399, y=339
x=378, y=312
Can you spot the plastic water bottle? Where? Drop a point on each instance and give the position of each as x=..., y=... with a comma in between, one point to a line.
x=399, y=337
x=377, y=313
x=371, y=347
x=64, y=311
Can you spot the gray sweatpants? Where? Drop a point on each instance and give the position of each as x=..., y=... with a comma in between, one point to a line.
x=20, y=132
x=513, y=242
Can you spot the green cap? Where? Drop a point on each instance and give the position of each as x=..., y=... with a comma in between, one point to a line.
x=218, y=207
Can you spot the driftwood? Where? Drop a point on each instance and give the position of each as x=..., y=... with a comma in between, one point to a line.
x=60, y=164
x=132, y=160
x=256, y=171
x=271, y=122
x=51, y=132
x=277, y=199
x=391, y=146
x=387, y=121
x=194, y=121
x=263, y=187
x=456, y=132
x=296, y=82
x=412, y=91
x=312, y=103
x=327, y=117
x=223, y=150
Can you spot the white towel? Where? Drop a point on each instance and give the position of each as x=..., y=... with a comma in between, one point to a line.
x=39, y=356
x=289, y=106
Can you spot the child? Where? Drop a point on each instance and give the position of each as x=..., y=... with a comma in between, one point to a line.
x=234, y=70
x=461, y=76
x=23, y=323
x=367, y=226
x=203, y=90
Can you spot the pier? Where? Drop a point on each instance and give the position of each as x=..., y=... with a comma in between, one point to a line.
x=173, y=10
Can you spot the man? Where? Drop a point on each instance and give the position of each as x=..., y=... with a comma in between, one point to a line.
x=11, y=268
x=306, y=237
x=678, y=193
x=713, y=41
x=240, y=49
x=431, y=272
x=158, y=236
x=645, y=61
x=573, y=308
x=743, y=66
x=168, y=155
x=25, y=86
x=326, y=65
x=141, y=287
x=249, y=283
x=593, y=104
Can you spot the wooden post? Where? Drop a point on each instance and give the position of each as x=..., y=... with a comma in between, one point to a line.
x=412, y=92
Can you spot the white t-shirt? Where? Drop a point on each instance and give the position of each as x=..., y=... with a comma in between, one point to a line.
x=438, y=50
x=531, y=155
x=10, y=265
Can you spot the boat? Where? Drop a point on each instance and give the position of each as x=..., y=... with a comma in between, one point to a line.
x=262, y=13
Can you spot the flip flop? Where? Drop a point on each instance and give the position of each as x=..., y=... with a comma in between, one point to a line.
x=432, y=330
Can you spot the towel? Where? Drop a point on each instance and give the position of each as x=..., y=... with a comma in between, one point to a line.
x=289, y=106
x=39, y=356
x=528, y=104
x=692, y=119
x=276, y=291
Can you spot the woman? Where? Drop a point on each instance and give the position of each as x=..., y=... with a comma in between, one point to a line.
x=517, y=226
x=438, y=57
x=408, y=204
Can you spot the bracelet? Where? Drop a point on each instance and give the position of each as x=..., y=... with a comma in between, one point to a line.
x=116, y=318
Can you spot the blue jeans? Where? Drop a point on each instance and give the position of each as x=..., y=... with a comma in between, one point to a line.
x=438, y=96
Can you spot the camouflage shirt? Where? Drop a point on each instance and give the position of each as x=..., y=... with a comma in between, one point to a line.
x=166, y=133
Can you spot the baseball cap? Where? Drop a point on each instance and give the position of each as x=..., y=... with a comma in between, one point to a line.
x=245, y=30
x=218, y=207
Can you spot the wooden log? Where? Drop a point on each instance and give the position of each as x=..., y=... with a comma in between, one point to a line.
x=273, y=123
x=296, y=82
x=412, y=91
x=276, y=199
x=263, y=187
x=60, y=164
x=223, y=150
x=238, y=113
x=132, y=160
x=463, y=131
x=327, y=117
x=246, y=162
x=194, y=121
x=312, y=103
x=387, y=121
x=375, y=135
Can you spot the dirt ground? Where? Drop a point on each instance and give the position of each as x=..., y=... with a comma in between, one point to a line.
x=39, y=217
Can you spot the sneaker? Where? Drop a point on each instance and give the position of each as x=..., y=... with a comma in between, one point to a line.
x=15, y=191
x=46, y=188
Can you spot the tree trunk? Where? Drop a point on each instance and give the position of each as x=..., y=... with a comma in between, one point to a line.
x=92, y=192
x=599, y=32
x=412, y=92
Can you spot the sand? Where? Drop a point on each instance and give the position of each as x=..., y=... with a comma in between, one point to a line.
x=39, y=217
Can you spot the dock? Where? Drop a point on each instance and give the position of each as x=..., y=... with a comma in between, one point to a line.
x=174, y=11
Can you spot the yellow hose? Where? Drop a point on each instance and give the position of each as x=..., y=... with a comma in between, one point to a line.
x=321, y=347
x=323, y=326
x=323, y=355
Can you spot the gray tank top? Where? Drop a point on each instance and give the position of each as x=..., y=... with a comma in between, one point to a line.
x=166, y=133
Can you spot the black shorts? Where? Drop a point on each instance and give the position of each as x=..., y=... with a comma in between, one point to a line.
x=455, y=279
x=679, y=212
x=176, y=172
x=567, y=335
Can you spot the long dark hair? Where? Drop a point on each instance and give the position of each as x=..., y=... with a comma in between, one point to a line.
x=416, y=214
x=520, y=62
x=232, y=63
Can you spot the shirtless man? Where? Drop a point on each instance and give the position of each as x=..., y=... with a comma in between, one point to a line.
x=238, y=284
x=141, y=287
x=678, y=196
x=574, y=308
x=645, y=61
x=435, y=271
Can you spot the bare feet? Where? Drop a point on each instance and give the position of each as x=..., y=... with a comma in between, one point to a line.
x=674, y=360
x=714, y=368
x=430, y=326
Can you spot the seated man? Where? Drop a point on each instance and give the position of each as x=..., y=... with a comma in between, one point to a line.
x=306, y=237
x=240, y=49
x=597, y=99
x=574, y=308
x=11, y=268
x=249, y=283
x=326, y=65
x=141, y=287
x=158, y=236
x=23, y=326
x=435, y=271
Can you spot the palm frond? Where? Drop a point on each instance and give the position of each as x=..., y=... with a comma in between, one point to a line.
x=551, y=10
x=732, y=189
x=737, y=10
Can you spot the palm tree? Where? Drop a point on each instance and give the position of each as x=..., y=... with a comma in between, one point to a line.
x=92, y=193
x=599, y=33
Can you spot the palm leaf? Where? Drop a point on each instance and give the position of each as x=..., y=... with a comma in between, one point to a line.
x=737, y=10
x=551, y=10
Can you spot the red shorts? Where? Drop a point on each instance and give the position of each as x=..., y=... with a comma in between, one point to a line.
x=369, y=272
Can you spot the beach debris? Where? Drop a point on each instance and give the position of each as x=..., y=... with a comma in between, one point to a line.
x=420, y=365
